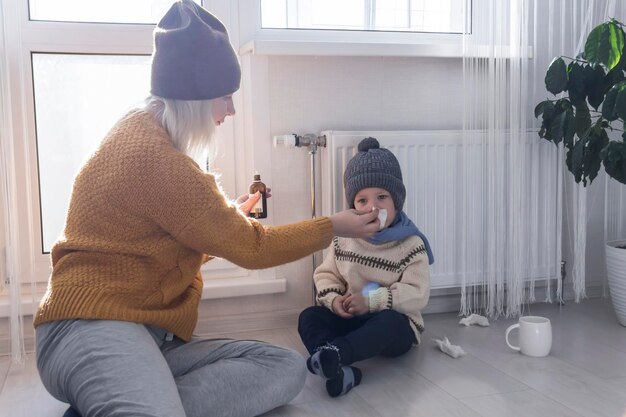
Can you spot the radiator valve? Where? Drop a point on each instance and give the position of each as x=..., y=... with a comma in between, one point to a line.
x=293, y=140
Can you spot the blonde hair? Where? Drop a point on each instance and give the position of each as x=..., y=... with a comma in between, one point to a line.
x=189, y=123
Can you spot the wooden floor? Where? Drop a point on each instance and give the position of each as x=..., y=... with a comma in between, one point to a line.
x=585, y=375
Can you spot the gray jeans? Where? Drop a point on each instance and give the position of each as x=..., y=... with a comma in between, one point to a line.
x=122, y=369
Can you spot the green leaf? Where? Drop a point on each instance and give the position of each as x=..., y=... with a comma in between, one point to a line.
x=541, y=107
x=616, y=42
x=622, y=62
x=614, y=160
x=608, y=106
x=544, y=132
x=592, y=46
x=584, y=158
x=594, y=145
x=548, y=109
x=557, y=124
x=558, y=121
x=582, y=120
x=615, y=76
x=594, y=87
x=605, y=44
x=620, y=101
x=575, y=158
x=556, y=77
x=569, y=128
x=576, y=82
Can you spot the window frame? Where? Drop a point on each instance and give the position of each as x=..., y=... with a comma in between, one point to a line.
x=27, y=37
x=24, y=38
x=300, y=10
x=266, y=41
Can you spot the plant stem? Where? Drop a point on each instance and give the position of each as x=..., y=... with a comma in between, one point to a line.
x=575, y=59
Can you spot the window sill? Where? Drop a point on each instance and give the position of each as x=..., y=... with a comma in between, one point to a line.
x=239, y=287
x=338, y=48
x=223, y=279
x=213, y=288
x=381, y=49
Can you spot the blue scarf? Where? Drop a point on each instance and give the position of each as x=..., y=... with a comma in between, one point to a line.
x=402, y=227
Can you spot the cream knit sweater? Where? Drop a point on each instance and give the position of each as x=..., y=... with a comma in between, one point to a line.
x=399, y=267
x=141, y=216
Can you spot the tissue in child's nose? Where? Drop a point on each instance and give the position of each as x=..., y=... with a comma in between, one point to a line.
x=382, y=216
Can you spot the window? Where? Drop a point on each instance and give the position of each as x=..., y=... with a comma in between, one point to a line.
x=78, y=98
x=69, y=79
x=436, y=16
x=98, y=11
x=410, y=28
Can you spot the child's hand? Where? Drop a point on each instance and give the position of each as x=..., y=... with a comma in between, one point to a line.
x=356, y=304
x=338, y=308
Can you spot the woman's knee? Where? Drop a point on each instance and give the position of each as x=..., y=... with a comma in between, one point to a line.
x=90, y=359
x=47, y=351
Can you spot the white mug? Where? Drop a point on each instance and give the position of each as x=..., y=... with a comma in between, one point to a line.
x=535, y=336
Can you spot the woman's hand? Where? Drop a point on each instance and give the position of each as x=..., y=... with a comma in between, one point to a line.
x=247, y=201
x=353, y=223
x=356, y=304
x=338, y=303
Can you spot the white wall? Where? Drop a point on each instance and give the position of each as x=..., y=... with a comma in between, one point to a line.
x=311, y=94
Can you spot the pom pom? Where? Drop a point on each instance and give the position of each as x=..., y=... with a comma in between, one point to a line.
x=367, y=144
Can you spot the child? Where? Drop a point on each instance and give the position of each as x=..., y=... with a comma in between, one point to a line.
x=371, y=291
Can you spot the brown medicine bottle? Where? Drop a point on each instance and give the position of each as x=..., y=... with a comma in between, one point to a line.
x=259, y=211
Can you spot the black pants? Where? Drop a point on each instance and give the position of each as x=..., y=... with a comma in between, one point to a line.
x=386, y=333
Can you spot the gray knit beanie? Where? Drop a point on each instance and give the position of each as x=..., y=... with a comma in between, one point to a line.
x=374, y=167
x=193, y=58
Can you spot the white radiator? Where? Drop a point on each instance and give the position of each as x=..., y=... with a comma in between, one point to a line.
x=436, y=179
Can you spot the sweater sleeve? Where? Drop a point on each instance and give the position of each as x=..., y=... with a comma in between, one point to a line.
x=190, y=206
x=222, y=230
x=328, y=281
x=410, y=294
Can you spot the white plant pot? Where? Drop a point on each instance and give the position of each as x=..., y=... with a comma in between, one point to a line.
x=616, y=272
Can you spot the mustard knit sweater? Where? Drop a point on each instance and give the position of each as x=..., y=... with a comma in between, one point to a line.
x=141, y=216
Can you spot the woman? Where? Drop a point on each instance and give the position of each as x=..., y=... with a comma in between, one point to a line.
x=114, y=329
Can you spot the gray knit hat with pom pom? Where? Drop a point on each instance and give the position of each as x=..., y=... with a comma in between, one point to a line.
x=374, y=166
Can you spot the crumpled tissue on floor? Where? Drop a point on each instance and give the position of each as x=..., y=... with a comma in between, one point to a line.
x=448, y=348
x=475, y=319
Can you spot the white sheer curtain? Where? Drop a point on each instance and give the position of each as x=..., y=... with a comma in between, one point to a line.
x=506, y=55
x=11, y=277
x=580, y=204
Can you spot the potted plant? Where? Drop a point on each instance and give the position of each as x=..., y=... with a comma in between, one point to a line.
x=587, y=118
